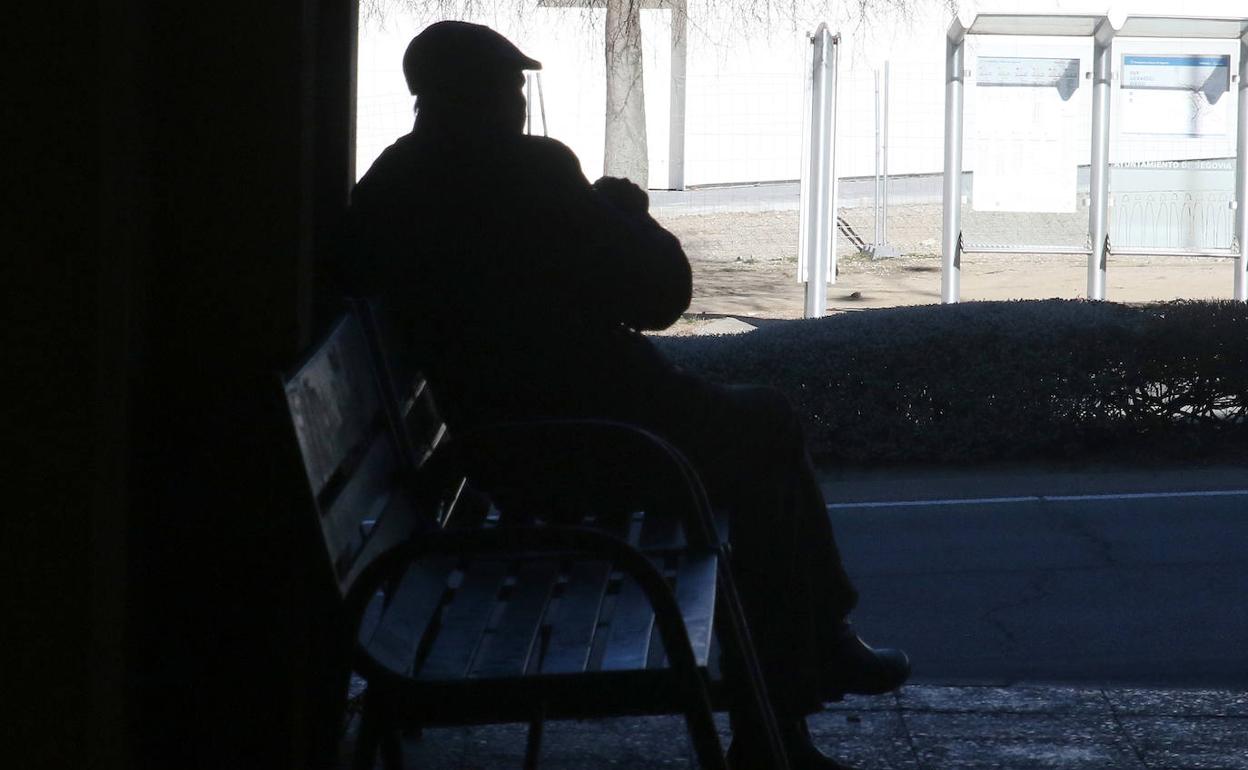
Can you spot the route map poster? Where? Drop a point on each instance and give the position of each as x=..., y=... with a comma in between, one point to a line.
x=1025, y=159
x=1175, y=95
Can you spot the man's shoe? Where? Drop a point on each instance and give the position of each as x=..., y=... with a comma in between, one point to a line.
x=853, y=667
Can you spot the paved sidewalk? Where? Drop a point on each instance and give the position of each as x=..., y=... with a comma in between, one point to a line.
x=924, y=726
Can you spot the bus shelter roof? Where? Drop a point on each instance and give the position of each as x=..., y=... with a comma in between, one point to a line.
x=1048, y=25
x=1088, y=25
x=1183, y=26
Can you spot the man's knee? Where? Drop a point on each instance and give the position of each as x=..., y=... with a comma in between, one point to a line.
x=767, y=416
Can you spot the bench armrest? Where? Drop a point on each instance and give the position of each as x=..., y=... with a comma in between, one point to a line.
x=527, y=540
x=571, y=466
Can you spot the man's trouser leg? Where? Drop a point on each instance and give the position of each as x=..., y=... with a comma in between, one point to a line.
x=748, y=447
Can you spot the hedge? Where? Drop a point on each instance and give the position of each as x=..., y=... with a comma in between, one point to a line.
x=1001, y=380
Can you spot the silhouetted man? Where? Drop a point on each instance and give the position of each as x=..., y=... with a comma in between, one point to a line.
x=521, y=290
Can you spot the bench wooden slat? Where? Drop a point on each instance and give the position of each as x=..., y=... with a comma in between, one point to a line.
x=695, y=593
x=464, y=621
x=661, y=532
x=372, y=616
x=634, y=528
x=363, y=498
x=410, y=611
x=510, y=645
x=395, y=525
x=628, y=638
x=575, y=619
x=720, y=520
x=340, y=374
x=616, y=524
x=422, y=421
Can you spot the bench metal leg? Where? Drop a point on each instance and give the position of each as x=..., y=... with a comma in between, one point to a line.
x=705, y=738
x=391, y=750
x=366, y=741
x=752, y=690
x=533, y=744
x=377, y=734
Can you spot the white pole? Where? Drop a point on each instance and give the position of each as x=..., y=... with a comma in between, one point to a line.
x=878, y=237
x=884, y=161
x=951, y=257
x=541, y=102
x=819, y=193
x=816, y=289
x=834, y=191
x=1098, y=182
x=1241, y=177
x=528, y=103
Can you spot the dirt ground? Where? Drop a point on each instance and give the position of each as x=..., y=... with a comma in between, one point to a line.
x=745, y=264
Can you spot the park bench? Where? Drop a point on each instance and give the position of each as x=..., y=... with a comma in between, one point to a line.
x=516, y=573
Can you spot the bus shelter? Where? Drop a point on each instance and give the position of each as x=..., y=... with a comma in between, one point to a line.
x=1160, y=72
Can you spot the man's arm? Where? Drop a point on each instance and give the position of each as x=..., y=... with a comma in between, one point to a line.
x=623, y=265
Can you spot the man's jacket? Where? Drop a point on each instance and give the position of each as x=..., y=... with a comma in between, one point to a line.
x=515, y=285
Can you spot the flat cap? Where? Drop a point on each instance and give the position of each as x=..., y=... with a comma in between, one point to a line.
x=459, y=55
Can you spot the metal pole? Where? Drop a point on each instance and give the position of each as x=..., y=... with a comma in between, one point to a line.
x=951, y=236
x=834, y=192
x=808, y=151
x=877, y=238
x=1098, y=210
x=676, y=121
x=815, y=301
x=818, y=204
x=1241, y=177
x=528, y=103
x=541, y=102
x=884, y=161
x=817, y=285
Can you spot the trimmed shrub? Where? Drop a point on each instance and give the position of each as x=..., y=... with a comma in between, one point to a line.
x=1000, y=380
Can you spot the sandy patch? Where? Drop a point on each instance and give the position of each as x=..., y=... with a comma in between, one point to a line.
x=745, y=264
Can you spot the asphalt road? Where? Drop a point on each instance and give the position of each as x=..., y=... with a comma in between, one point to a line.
x=1133, y=579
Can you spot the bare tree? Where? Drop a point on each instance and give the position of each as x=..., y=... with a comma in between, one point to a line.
x=625, y=149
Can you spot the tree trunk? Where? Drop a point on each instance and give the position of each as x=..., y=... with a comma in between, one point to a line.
x=625, y=153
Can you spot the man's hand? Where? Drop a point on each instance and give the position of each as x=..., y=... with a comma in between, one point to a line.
x=623, y=194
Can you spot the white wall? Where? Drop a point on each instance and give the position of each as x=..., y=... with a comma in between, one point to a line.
x=745, y=97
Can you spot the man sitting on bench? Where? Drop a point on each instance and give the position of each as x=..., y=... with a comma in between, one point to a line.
x=521, y=290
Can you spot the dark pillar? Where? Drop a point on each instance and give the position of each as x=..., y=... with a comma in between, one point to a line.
x=189, y=168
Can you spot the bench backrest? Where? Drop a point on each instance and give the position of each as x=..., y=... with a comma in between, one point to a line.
x=345, y=423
